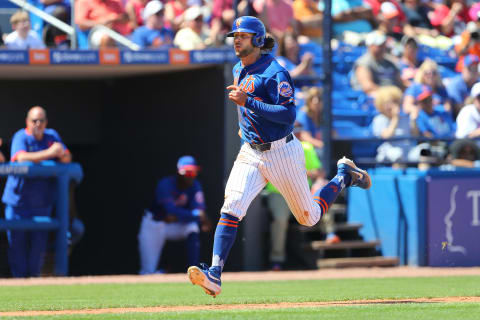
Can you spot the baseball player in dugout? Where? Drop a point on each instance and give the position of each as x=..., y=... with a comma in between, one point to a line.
x=176, y=213
x=263, y=92
x=29, y=197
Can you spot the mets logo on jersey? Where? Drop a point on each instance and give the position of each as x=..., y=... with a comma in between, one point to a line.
x=285, y=89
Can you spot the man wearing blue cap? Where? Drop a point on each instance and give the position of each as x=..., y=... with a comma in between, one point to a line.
x=175, y=214
x=459, y=87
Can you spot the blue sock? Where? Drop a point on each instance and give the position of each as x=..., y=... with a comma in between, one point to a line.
x=225, y=235
x=327, y=195
x=193, y=248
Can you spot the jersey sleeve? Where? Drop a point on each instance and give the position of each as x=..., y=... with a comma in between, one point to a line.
x=280, y=92
x=280, y=89
x=165, y=202
x=198, y=201
x=19, y=145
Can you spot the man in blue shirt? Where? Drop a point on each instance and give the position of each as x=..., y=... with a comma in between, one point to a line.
x=153, y=34
x=432, y=123
x=26, y=198
x=263, y=92
x=460, y=86
x=175, y=214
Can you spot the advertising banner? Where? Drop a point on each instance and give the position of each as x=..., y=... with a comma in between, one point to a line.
x=453, y=221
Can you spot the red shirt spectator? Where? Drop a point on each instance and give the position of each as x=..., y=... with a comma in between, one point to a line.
x=376, y=4
x=110, y=13
x=450, y=18
x=276, y=14
x=134, y=10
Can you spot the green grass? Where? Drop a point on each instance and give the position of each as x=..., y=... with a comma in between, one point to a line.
x=92, y=296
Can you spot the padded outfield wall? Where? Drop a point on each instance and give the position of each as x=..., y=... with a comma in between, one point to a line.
x=126, y=123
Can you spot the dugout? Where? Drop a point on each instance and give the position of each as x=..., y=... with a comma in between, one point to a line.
x=127, y=125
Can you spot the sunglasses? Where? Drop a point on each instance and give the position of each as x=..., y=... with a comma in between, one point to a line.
x=38, y=120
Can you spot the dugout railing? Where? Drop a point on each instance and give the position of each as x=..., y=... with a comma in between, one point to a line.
x=59, y=223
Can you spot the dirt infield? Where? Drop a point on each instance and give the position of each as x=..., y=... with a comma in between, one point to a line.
x=282, y=305
x=249, y=276
x=255, y=276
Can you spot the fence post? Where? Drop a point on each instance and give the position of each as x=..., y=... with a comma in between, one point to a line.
x=61, y=248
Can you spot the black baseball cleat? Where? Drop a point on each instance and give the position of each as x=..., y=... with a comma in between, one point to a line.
x=360, y=178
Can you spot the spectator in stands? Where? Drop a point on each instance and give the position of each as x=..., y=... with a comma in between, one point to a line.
x=31, y=197
x=409, y=62
x=176, y=213
x=418, y=22
x=351, y=15
x=134, y=9
x=288, y=56
x=427, y=74
x=108, y=13
x=310, y=19
x=464, y=153
x=374, y=69
x=389, y=21
x=468, y=120
x=451, y=17
x=277, y=15
x=459, y=87
x=2, y=157
x=54, y=37
x=174, y=14
x=391, y=122
x=193, y=35
x=223, y=14
x=469, y=44
x=432, y=123
x=310, y=119
x=153, y=34
x=22, y=37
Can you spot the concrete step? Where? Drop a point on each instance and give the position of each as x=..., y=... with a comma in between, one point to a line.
x=343, y=245
x=377, y=261
x=346, y=226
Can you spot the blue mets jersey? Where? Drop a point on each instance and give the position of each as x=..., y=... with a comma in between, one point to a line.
x=170, y=200
x=269, y=112
x=30, y=192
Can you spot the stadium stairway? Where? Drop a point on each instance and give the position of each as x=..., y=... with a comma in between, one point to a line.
x=351, y=251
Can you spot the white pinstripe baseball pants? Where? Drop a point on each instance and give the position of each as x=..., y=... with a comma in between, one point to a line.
x=284, y=166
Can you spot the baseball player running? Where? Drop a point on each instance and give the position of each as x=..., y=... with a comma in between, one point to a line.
x=263, y=92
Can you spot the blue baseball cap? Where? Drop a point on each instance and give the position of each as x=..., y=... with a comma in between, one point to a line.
x=421, y=92
x=470, y=59
x=187, y=163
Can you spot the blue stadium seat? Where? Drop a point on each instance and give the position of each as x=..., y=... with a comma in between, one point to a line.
x=82, y=38
x=350, y=129
x=359, y=117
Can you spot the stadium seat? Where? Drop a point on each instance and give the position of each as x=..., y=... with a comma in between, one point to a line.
x=82, y=38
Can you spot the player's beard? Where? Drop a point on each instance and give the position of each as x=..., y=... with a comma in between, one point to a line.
x=244, y=52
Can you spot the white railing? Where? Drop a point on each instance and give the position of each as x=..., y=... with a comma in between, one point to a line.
x=70, y=30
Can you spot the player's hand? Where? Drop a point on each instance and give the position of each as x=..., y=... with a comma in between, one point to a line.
x=237, y=95
x=56, y=150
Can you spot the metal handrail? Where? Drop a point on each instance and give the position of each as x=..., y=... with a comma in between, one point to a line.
x=70, y=30
x=118, y=37
x=45, y=16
